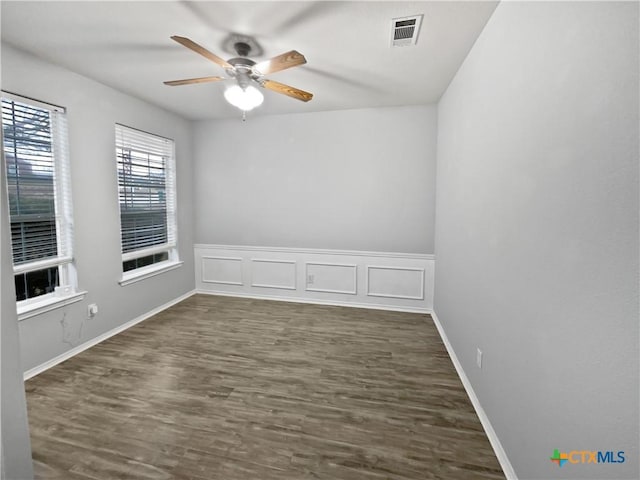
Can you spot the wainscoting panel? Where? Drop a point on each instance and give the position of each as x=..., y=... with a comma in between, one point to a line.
x=382, y=280
x=222, y=270
x=395, y=282
x=332, y=278
x=273, y=273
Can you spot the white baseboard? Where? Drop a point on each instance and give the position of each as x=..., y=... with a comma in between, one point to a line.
x=100, y=338
x=484, y=419
x=334, y=303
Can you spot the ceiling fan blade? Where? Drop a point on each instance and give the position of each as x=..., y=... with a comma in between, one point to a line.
x=201, y=50
x=287, y=90
x=281, y=62
x=189, y=81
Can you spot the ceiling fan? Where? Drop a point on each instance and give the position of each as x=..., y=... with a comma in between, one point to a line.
x=247, y=73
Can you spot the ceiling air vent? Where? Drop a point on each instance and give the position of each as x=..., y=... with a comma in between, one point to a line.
x=404, y=30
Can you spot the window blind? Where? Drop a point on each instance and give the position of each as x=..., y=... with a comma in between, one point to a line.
x=35, y=150
x=146, y=192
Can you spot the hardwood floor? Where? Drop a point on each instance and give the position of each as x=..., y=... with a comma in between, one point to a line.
x=228, y=388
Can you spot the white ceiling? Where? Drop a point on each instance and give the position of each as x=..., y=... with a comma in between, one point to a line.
x=126, y=45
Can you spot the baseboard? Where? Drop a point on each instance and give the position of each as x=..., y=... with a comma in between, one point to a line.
x=390, y=308
x=484, y=419
x=100, y=338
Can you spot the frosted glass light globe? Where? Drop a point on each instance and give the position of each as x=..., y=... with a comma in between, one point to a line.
x=246, y=99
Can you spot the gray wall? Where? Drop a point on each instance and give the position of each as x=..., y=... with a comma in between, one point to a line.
x=353, y=180
x=15, y=460
x=537, y=230
x=92, y=111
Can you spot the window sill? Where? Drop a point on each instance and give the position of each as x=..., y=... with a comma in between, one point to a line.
x=146, y=272
x=48, y=303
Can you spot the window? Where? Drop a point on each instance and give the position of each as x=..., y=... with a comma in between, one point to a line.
x=146, y=192
x=37, y=171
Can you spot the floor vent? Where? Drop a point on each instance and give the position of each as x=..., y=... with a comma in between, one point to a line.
x=404, y=30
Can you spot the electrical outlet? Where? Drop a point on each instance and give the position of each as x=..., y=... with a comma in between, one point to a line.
x=92, y=310
x=479, y=358
x=310, y=279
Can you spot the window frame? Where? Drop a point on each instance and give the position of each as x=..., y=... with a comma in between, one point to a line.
x=67, y=290
x=170, y=247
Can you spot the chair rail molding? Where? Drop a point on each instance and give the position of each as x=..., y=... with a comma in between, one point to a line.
x=380, y=280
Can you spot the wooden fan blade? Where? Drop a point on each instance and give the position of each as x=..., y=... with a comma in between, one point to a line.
x=281, y=62
x=201, y=50
x=189, y=81
x=287, y=90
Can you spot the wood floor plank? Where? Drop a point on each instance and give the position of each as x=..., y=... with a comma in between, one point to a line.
x=229, y=388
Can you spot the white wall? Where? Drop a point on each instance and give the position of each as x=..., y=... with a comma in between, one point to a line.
x=537, y=230
x=350, y=180
x=92, y=111
x=15, y=459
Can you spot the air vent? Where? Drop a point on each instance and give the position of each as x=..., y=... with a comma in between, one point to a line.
x=404, y=30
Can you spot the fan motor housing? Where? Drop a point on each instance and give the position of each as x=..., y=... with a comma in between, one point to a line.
x=240, y=62
x=242, y=71
x=247, y=45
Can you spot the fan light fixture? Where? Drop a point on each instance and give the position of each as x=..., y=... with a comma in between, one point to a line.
x=245, y=99
x=247, y=74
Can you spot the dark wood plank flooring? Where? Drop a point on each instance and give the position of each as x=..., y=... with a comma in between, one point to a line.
x=228, y=388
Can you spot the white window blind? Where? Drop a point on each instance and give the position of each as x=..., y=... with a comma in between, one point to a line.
x=36, y=156
x=146, y=191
